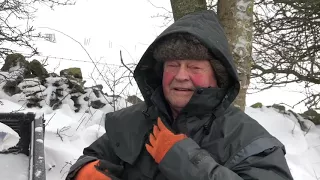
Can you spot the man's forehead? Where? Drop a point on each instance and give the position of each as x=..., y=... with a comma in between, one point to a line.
x=196, y=61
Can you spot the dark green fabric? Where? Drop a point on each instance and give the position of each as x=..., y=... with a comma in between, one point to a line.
x=224, y=143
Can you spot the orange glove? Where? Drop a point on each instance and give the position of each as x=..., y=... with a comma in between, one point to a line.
x=161, y=141
x=91, y=172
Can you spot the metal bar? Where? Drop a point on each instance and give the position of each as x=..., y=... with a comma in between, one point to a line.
x=39, y=171
x=31, y=153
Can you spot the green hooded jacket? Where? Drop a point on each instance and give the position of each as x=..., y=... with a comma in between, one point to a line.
x=223, y=142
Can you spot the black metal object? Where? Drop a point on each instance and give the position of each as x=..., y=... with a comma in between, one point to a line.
x=31, y=131
x=21, y=123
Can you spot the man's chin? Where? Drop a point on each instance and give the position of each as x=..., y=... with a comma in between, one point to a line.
x=178, y=105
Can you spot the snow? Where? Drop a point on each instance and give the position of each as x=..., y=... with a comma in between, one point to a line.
x=14, y=166
x=34, y=89
x=67, y=133
x=303, y=148
x=38, y=173
x=8, y=137
x=38, y=129
x=28, y=82
x=39, y=140
x=15, y=68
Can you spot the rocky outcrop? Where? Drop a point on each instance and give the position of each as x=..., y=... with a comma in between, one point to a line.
x=312, y=115
x=30, y=82
x=37, y=70
x=14, y=62
x=133, y=99
x=74, y=73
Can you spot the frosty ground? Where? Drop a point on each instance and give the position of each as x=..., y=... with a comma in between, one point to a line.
x=67, y=133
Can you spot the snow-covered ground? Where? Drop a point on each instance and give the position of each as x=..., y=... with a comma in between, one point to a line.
x=303, y=148
x=67, y=133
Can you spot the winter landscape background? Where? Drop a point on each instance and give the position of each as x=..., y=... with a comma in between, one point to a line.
x=68, y=132
x=73, y=107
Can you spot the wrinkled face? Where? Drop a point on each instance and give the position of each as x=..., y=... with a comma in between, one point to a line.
x=181, y=77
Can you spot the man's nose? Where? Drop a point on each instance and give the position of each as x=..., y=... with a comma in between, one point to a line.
x=182, y=74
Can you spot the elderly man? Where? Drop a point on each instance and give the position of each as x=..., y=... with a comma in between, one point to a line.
x=187, y=128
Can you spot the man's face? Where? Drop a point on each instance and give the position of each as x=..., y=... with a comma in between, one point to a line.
x=181, y=77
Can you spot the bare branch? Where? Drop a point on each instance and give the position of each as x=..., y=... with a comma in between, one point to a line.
x=159, y=7
x=18, y=36
x=286, y=46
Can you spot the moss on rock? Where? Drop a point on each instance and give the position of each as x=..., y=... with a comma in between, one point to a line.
x=73, y=72
x=257, y=105
x=37, y=69
x=14, y=62
x=313, y=115
x=279, y=107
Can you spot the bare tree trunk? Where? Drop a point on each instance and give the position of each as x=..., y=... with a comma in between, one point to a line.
x=184, y=7
x=236, y=17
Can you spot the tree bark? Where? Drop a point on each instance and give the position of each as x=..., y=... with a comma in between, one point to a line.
x=236, y=16
x=184, y=7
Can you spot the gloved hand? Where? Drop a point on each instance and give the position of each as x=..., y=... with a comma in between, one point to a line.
x=161, y=140
x=94, y=171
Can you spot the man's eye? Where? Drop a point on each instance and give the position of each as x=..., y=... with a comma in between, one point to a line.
x=195, y=67
x=172, y=65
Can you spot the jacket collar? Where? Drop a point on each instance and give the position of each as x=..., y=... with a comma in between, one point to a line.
x=203, y=102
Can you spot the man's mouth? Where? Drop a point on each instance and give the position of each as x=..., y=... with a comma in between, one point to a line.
x=183, y=89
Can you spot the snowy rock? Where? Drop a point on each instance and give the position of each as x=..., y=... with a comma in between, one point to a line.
x=97, y=104
x=11, y=86
x=133, y=99
x=14, y=62
x=38, y=89
x=37, y=69
x=312, y=115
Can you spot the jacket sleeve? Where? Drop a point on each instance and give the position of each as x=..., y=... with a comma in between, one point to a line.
x=98, y=150
x=186, y=160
